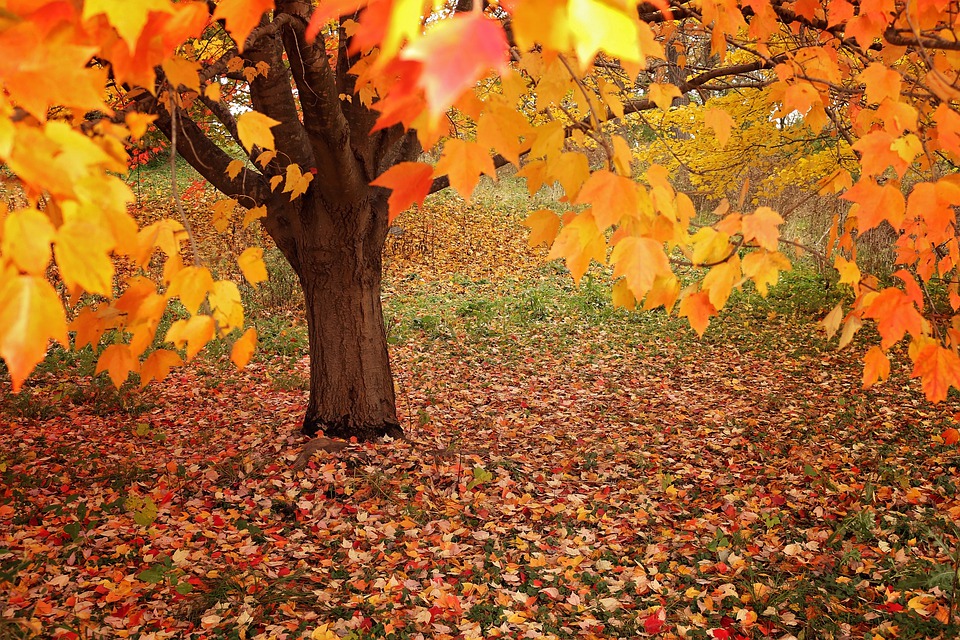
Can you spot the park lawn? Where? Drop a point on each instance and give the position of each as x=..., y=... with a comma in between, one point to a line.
x=572, y=470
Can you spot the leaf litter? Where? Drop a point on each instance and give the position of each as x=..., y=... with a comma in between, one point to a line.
x=562, y=479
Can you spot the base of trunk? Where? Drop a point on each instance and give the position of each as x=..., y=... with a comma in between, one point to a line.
x=342, y=429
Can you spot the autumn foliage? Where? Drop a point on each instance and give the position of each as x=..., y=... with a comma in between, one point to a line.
x=546, y=85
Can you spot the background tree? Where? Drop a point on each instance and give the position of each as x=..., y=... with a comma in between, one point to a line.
x=343, y=97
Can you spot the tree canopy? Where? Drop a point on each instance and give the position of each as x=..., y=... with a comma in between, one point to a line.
x=868, y=91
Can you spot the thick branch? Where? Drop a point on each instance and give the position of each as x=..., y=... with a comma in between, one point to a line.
x=249, y=187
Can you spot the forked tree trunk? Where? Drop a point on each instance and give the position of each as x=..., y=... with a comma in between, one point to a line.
x=338, y=260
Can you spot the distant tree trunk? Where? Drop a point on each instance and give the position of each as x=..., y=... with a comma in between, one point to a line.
x=338, y=257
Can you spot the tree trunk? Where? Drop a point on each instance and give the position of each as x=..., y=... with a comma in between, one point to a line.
x=338, y=258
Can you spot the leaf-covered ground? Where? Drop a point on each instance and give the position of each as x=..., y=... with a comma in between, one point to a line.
x=573, y=472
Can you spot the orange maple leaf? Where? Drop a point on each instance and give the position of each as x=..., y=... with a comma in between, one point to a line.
x=410, y=182
x=698, y=309
x=896, y=315
x=938, y=369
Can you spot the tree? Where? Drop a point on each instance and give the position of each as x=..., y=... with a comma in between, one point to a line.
x=343, y=97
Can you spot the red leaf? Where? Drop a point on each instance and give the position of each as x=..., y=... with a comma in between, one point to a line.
x=951, y=436
x=654, y=622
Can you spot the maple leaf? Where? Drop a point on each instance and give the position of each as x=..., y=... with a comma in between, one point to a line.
x=763, y=226
x=938, y=369
x=579, y=242
x=191, y=285
x=243, y=348
x=881, y=82
x=227, y=307
x=241, y=17
x=721, y=122
x=663, y=95
x=129, y=17
x=445, y=77
x=30, y=316
x=544, y=225
x=82, y=255
x=410, y=183
x=596, y=26
x=119, y=362
x=950, y=436
x=876, y=367
x=721, y=280
x=234, y=168
x=698, y=309
x=849, y=271
x=253, y=214
x=27, y=234
x=296, y=183
x=463, y=162
x=613, y=197
x=253, y=128
x=895, y=314
x=194, y=333
x=640, y=261
x=252, y=266
x=877, y=203
x=831, y=323
x=157, y=365
x=764, y=267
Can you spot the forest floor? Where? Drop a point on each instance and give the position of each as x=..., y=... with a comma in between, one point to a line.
x=572, y=471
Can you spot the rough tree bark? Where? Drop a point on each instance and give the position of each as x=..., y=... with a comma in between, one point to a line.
x=333, y=235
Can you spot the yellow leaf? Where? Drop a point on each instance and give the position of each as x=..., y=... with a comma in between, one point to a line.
x=128, y=17
x=623, y=298
x=212, y=91
x=831, y=323
x=665, y=291
x=578, y=243
x=764, y=267
x=254, y=214
x=296, y=183
x=640, y=261
x=721, y=279
x=266, y=158
x=721, y=122
x=848, y=269
x=850, y=328
x=191, y=285
x=234, y=168
x=222, y=212
x=243, y=348
x=82, y=251
x=194, y=333
x=275, y=182
x=138, y=123
x=663, y=94
x=763, y=226
x=118, y=362
x=180, y=71
x=254, y=130
x=252, y=266
x=698, y=309
x=544, y=225
x=226, y=305
x=709, y=246
x=157, y=365
x=596, y=26
x=30, y=316
x=876, y=367
x=27, y=234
